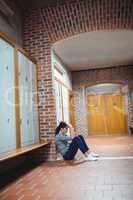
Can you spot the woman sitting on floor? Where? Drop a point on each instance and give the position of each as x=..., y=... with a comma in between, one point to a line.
x=69, y=149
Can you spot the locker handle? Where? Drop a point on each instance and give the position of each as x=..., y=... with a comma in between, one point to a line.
x=26, y=79
x=20, y=121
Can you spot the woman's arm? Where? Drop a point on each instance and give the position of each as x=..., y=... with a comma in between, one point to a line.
x=64, y=137
x=71, y=130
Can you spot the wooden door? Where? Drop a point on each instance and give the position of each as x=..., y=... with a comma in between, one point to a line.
x=106, y=115
x=116, y=118
x=71, y=110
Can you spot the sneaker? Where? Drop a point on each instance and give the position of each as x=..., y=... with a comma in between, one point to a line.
x=94, y=154
x=77, y=158
x=90, y=158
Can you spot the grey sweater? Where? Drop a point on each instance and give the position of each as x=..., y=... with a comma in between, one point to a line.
x=62, y=142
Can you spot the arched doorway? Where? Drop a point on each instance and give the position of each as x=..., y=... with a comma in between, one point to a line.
x=106, y=109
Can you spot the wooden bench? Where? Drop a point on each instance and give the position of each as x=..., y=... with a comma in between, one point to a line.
x=22, y=150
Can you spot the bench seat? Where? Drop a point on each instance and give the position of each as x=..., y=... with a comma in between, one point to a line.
x=13, y=153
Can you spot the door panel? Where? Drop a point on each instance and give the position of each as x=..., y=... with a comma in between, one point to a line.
x=96, y=114
x=116, y=118
x=71, y=110
x=105, y=114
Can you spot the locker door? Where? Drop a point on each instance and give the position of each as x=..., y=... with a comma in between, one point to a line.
x=34, y=103
x=11, y=98
x=30, y=104
x=29, y=132
x=7, y=109
x=1, y=98
x=3, y=107
x=23, y=99
x=29, y=110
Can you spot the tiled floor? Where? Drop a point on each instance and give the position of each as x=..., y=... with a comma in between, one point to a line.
x=105, y=179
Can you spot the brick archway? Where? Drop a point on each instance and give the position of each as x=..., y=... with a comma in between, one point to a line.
x=74, y=17
x=45, y=26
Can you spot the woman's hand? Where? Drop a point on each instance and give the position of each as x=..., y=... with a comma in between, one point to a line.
x=71, y=130
x=70, y=125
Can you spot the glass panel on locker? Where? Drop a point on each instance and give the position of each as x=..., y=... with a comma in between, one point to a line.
x=22, y=91
x=11, y=121
x=28, y=132
x=24, y=110
x=7, y=97
x=29, y=111
x=34, y=113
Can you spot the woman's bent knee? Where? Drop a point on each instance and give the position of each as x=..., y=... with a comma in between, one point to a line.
x=77, y=139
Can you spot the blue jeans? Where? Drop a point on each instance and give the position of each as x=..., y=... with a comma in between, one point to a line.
x=78, y=142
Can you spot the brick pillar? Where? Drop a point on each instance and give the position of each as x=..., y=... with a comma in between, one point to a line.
x=37, y=43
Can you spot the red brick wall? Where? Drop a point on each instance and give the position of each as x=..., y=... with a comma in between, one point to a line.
x=83, y=79
x=43, y=27
x=121, y=74
x=36, y=41
x=77, y=16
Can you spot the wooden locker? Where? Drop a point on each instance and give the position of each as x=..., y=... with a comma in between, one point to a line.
x=7, y=109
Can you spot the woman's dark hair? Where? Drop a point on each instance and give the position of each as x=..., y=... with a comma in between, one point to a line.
x=61, y=125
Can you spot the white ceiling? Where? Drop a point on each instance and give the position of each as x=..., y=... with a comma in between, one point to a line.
x=96, y=49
